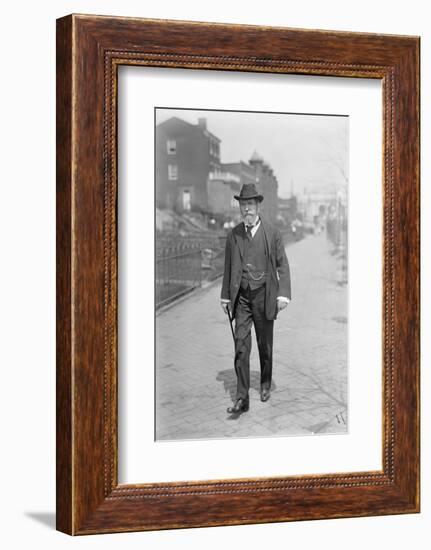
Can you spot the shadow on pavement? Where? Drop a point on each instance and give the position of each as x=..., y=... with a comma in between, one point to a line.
x=228, y=377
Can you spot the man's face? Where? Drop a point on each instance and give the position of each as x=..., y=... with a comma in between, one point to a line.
x=249, y=210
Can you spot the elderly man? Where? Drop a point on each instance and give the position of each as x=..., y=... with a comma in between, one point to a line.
x=256, y=286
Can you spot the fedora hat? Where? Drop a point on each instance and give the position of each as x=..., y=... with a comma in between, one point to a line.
x=249, y=191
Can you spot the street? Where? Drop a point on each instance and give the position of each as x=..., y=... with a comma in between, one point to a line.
x=195, y=377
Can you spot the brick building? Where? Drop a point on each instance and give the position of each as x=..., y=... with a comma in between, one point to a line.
x=190, y=176
x=244, y=171
x=188, y=157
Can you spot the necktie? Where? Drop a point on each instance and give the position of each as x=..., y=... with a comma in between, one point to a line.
x=248, y=229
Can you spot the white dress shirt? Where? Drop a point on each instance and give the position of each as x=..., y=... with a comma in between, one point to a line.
x=254, y=228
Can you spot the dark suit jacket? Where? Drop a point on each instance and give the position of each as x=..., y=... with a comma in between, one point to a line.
x=277, y=281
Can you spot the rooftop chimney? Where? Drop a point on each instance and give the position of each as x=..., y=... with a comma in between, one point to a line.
x=202, y=123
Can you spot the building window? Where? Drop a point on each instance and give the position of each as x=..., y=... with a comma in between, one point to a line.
x=172, y=171
x=187, y=203
x=172, y=146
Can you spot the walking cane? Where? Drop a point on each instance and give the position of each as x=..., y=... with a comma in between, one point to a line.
x=230, y=322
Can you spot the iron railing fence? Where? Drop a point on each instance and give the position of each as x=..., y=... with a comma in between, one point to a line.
x=177, y=242
x=185, y=263
x=177, y=274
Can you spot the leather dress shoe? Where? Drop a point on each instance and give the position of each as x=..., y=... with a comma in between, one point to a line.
x=241, y=405
x=265, y=394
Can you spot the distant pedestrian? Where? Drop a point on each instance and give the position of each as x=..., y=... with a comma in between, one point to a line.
x=256, y=286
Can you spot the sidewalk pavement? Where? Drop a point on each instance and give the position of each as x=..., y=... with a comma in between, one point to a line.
x=195, y=377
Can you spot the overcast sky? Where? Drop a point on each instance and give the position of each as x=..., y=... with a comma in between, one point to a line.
x=305, y=151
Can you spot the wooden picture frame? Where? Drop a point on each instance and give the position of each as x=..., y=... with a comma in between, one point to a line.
x=89, y=51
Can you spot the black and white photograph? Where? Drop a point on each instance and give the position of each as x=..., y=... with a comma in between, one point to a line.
x=251, y=274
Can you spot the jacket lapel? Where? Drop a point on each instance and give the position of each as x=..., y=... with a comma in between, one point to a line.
x=267, y=236
x=239, y=238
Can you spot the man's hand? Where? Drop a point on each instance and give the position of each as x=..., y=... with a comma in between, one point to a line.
x=225, y=306
x=281, y=304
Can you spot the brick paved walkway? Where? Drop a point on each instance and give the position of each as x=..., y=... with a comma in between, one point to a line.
x=195, y=378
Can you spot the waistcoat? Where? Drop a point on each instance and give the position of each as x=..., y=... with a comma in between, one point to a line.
x=254, y=265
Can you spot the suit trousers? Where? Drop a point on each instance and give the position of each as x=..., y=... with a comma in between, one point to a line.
x=250, y=309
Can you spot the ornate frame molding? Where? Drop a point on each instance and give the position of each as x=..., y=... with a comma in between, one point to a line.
x=90, y=49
